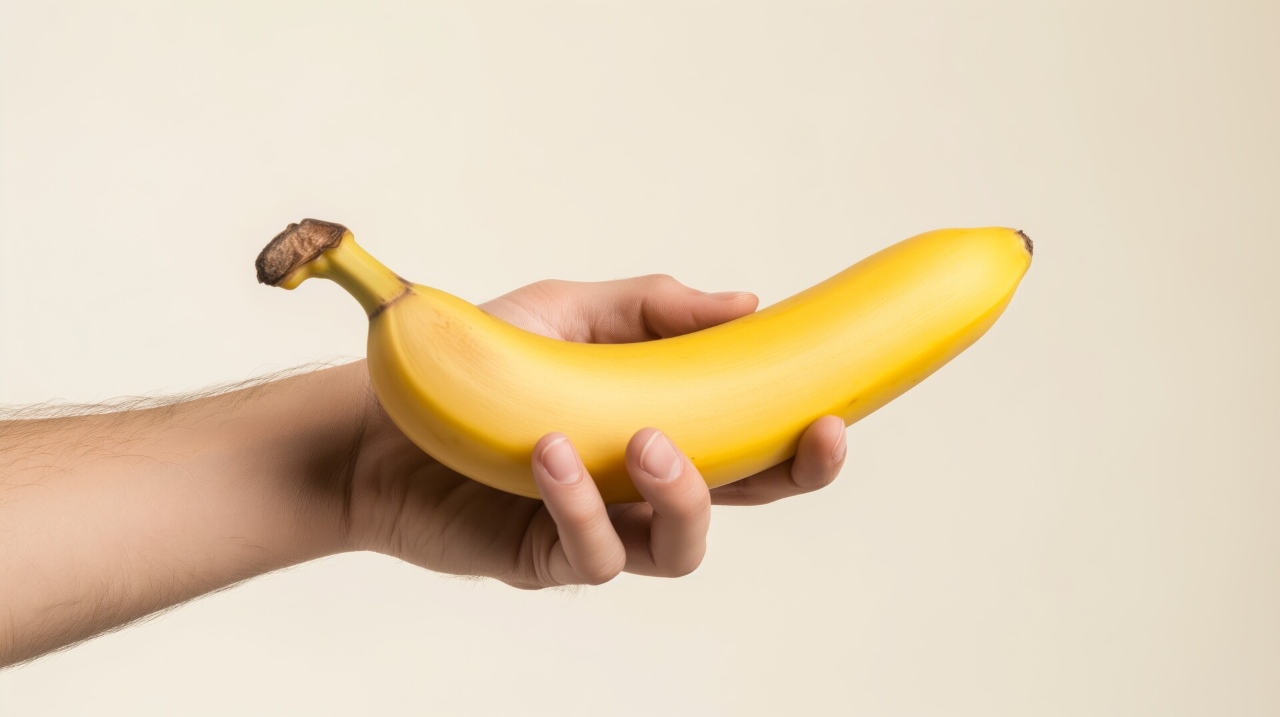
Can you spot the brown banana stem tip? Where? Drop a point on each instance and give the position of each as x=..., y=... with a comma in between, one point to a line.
x=1027, y=241
x=295, y=246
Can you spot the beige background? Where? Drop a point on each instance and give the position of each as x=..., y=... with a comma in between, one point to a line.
x=1080, y=516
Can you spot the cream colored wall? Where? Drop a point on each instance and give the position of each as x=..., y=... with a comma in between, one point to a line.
x=1081, y=515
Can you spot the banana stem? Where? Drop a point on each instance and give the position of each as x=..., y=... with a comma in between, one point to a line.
x=374, y=285
x=328, y=250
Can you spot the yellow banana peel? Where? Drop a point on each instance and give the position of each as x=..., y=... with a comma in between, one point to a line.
x=476, y=393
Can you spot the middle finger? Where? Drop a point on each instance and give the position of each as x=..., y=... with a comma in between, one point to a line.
x=680, y=505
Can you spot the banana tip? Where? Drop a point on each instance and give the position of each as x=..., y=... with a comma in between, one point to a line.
x=1026, y=241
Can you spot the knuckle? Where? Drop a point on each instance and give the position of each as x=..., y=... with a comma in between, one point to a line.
x=660, y=280
x=601, y=572
x=808, y=481
x=685, y=565
x=597, y=577
x=540, y=576
x=522, y=584
x=549, y=287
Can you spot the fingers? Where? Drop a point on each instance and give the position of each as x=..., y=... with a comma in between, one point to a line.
x=667, y=535
x=644, y=308
x=819, y=458
x=588, y=550
x=669, y=308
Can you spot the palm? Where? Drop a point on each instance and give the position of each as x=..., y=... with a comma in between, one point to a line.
x=463, y=527
x=412, y=506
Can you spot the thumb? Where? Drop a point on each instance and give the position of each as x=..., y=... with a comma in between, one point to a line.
x=676, y=315
x=658, y=306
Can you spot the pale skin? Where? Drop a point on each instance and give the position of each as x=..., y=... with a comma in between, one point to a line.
x=107, y=518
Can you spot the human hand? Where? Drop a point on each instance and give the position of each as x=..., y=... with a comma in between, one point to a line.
x=404, y=503
x=118, y=514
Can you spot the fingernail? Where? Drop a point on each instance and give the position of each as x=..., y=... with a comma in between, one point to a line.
x=659, y=459
x=837, y=453
x=558, y=459
x=728, y=295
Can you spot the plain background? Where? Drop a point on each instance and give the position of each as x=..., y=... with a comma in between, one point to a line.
x=1080, y=515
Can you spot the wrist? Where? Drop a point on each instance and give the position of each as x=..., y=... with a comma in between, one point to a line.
x=331, y=411
x=381, y=468
x=295, y=442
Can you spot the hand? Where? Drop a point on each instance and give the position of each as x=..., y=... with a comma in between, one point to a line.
x=405, y=503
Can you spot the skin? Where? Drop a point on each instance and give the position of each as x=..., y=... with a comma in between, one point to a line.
x=108, y=518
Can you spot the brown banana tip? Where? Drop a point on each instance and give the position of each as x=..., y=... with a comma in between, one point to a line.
x=1026, y=240
x=297, y=245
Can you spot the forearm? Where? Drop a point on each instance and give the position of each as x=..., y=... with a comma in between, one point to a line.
x=107, y=518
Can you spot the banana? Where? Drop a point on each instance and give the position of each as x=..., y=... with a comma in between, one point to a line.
x=476, y=393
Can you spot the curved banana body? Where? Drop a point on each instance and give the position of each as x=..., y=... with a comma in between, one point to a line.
x=477, y=393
